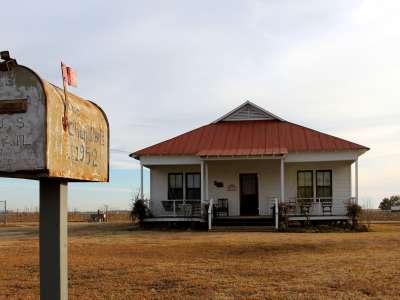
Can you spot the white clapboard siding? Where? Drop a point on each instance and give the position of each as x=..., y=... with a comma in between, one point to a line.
x=341, y=180
x=268, y=172
x=228, y=172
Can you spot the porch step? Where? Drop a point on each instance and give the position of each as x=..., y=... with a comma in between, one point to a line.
x=243, y=229
x=243, y=222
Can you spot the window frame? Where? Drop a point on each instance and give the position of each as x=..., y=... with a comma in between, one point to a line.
x=169, y=186
x=187, y=192
x=323, y=186
x=305, y=186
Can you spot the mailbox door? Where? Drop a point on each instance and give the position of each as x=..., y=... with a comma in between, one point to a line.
x=22, y=122
x=79, y=151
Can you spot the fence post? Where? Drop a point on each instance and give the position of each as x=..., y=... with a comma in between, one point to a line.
x=276, y=213
x=5, y=212
x=174, y=206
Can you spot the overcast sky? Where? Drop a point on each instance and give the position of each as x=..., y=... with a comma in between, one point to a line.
x=160, y=68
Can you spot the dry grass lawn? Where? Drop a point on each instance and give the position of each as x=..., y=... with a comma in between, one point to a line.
x=108, y=261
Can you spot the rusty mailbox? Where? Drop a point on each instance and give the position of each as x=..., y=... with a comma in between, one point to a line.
x=44, y=135
x=54, y=137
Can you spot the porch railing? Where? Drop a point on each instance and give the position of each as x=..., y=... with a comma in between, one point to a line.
x=176, y=208
x=322, y=206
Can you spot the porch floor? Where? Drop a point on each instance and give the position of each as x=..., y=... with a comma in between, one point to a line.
x=174, y=219
x=239, y=221
x=243, y=220
x=252, y=228
x=318, y=218
x=243, y=217
x=291, y=217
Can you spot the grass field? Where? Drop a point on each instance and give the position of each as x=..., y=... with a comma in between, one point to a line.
x=114, y=261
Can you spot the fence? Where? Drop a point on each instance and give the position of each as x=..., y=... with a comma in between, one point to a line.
x=25, y=216
x=3, y=211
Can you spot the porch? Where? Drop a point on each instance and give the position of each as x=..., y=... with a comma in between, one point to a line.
x=250, y=187
x=297, y=209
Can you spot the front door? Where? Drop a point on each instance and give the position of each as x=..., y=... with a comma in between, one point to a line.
x=248, y=195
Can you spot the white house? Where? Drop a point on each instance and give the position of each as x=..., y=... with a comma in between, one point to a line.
x=247, y=160
x=395, y=208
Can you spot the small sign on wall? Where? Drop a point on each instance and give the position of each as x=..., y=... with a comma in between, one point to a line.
x=218, y=184
x=231, y=188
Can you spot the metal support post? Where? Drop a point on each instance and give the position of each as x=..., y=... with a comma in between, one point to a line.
x=53, y=239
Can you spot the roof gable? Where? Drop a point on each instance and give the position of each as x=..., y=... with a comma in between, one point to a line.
x=248, y=111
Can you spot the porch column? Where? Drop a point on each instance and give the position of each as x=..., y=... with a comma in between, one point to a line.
x=184, y=188
x=206, y=195
x=201, y=186
x=141, y=181
x=282, y=179
x=356, y=179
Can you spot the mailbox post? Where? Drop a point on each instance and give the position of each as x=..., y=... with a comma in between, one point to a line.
x=53, y=243
x=36, y=144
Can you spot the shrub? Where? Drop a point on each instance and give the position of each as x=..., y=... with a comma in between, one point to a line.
x=140, y=210
x=283, y=215
x=354, y=211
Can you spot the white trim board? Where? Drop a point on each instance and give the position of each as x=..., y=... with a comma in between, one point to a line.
x=243, y=157
x=150, y=160
x=321, y=156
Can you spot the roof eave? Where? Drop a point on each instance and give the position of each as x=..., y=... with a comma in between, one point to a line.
x=134, y=155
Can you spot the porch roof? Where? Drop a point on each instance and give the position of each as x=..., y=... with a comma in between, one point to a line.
x=255, y=137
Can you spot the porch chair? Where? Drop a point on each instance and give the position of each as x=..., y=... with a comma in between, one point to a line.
x=292, y=207
x=221, y=208
x=305, y=206
x=326, y=206
x=186, y=209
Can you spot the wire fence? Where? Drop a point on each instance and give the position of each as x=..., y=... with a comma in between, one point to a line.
x=3, y=212
x=26, y=216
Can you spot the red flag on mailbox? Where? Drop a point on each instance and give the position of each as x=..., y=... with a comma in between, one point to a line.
x=69, y=75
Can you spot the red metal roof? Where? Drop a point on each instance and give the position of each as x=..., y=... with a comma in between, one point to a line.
x=268, y=137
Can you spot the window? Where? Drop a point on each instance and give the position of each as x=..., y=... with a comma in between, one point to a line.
x=175, y=186
x=193, y=183
x=305, y=188
x=324, y=184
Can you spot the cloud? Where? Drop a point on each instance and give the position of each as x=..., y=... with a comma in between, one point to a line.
x=161, y=68
x=105, y=189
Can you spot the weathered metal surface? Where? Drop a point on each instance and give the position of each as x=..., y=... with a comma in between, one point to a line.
x=81, y=150
x=249, y=138
x=22, y=142
x=35, y=144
